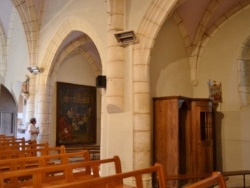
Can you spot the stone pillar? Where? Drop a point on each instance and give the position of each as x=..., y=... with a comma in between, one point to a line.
x=142, y=122
x=44, y=109
x=115, y=59
x=30, y=105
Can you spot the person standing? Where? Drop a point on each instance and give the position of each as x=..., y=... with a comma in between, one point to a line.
x=32, y=131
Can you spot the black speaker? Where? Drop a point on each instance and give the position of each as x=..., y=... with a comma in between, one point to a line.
x=101, y=81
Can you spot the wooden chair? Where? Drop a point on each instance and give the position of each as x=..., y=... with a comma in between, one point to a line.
x=215, y=179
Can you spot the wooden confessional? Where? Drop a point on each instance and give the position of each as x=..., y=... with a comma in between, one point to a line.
x=183, y=136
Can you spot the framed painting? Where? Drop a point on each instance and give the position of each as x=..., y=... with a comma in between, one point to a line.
x=76, y=114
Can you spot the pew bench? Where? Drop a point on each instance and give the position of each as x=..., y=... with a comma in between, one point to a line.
x=8, y=154
x=8, y=137
x=50, y=175
x=116, y=180
x=17, y=143
x=44, y=160
x=94, y=150
x=215, y=179
x=18, y=146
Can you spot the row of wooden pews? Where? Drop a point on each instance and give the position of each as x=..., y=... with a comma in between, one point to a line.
x=33, y=165
x=17, y=149
x=94, y=150
x=62, y=169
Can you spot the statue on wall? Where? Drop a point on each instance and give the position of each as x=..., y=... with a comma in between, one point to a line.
x=25, y=89
x=215, y=91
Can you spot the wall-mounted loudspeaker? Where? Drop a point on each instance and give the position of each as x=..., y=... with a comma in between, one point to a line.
x=101, y=81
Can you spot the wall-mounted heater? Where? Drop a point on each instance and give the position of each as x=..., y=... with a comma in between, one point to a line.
x=126, y=37
x=34, y=70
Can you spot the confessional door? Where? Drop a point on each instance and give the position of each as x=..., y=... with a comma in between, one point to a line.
x=183, y=136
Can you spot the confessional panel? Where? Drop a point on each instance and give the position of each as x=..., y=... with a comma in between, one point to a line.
x=183, y=135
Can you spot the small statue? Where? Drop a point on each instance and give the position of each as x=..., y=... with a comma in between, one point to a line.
x=215, y=91
x=25, y=89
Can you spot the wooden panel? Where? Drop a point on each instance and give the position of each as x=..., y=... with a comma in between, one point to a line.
x=183, y=135
x=166, y=133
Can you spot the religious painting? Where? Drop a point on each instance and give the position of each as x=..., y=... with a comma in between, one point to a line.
x=76, y=114
x=215, y=91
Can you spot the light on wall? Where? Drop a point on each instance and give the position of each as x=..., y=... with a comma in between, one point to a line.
x=34, y=70
x=126, y=37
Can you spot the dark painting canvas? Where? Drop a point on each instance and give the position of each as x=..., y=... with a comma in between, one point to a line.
x=76, y=114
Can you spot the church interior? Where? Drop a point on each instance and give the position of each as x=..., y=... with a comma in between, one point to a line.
x=158, y=90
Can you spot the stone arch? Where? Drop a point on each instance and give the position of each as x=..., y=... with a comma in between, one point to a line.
x=2, y=52
x=5, y=40
x=75, y=48
x=147, y=32
x=8, y=111
x=45, y=86
x=31, y=24
x=244, y=74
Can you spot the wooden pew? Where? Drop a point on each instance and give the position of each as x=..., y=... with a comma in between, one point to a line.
x=36, y=162
x=20, y=145
x=5, y=143
x=94, y=150
x=29, y=162
x=56, y=174
x=215, y=179
x=8, y=154
x=3, y=136
x=116, y=181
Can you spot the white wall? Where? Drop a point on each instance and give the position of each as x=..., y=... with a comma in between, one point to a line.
x=219, y=62
x=92, y=16
x=17, y=58
x=169, y=72
x=169, y=67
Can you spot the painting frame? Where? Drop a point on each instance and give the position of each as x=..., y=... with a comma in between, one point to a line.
x=76, y=114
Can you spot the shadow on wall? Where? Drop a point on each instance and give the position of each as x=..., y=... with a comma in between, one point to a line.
x=218, y=145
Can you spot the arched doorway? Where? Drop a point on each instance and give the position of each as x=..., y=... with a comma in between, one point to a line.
x=8, y=112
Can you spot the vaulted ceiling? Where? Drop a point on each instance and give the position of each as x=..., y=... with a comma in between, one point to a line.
x=197, y=18
x=207, y=13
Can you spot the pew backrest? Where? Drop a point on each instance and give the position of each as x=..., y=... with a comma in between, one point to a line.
x=56, y=174
x=21, y=145
x=215, y=179
x=35, y=151
x=116, y=180
x=34, y=162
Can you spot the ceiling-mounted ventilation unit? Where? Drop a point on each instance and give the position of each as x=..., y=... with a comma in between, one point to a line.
x=126, y=37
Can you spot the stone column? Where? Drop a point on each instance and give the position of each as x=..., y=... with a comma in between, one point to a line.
x=44, y=109
x=30, y=105
x=115, y=59
x=142, y=130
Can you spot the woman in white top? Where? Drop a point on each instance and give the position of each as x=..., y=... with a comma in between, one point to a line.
x=31, y=130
